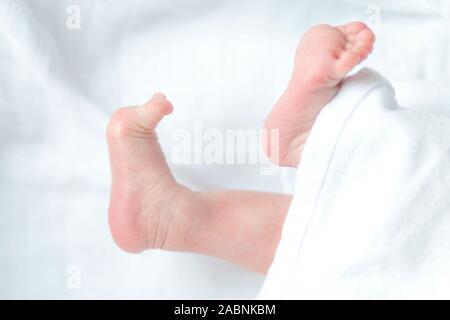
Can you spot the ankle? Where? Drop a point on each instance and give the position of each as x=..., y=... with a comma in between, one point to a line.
x=170, y=230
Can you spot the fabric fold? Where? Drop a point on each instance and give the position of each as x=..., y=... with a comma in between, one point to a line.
x=370, y=216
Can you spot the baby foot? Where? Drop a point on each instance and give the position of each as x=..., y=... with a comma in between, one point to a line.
x=145, y=196
x=324, y=56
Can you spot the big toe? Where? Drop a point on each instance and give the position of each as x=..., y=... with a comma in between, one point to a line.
x=151, y=113
x=140, y=120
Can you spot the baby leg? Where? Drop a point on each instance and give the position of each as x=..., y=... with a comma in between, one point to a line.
x=149, y=209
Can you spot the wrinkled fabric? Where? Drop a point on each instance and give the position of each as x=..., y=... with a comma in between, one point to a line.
x=370, y=217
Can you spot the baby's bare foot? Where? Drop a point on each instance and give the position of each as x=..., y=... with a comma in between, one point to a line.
x=144, y=197
x=324, y=56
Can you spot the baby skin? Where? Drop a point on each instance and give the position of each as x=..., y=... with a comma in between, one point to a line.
x=150, y=210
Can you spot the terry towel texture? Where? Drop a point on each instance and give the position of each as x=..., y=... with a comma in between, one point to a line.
x=370, y=216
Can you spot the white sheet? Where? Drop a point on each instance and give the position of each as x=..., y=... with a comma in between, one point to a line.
x=58, y=88
x=370, y=216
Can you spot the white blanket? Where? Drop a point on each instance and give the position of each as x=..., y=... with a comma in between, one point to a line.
x=370, y=216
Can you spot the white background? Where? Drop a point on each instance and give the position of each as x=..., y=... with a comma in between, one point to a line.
x=221, y=62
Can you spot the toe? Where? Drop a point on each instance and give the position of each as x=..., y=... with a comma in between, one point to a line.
x=363, y=44
x=138, y=121
x=151, y=113
x=159, y=105
x=365, y=35
x=359, y=45
x=352, y=27
x=358, y=35
x=365, y=39
x=346, y=62
x=361, y=51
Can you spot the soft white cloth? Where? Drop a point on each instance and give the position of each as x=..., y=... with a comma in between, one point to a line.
x=370, y=216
